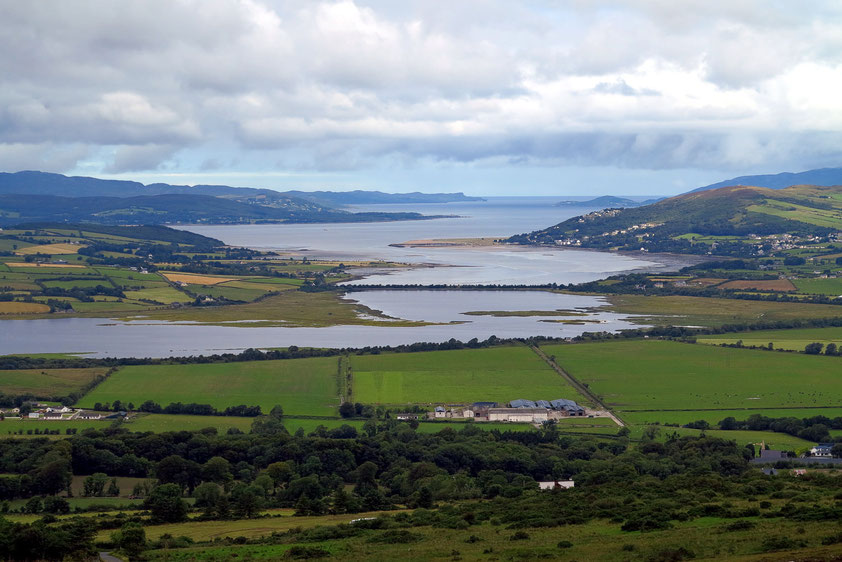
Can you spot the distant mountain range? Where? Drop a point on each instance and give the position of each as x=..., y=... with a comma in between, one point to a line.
x=606, y=202
x=41, y=196
x=823, y=176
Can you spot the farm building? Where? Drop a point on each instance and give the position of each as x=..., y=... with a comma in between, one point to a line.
x=406, y=416
x=523, y=415
x=570, y=407
x=440, y=412
x=521, y=403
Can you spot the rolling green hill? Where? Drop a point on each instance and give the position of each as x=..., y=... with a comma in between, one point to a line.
x=727, y=211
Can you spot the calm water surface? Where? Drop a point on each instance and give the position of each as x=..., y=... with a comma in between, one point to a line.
x=106, y=338
x=498, y=217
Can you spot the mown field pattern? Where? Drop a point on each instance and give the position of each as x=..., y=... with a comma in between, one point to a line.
x=665, y=375
x=498, y=374
x=301, y=386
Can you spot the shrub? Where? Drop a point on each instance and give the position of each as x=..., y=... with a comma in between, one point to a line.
x=519, y=536
x=564, y=544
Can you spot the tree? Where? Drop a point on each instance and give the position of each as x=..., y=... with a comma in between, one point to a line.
x=280, y=472
x=268, y=425
x=813, y=348
x=166, y=505
x=56, y=505
x=831, y=349
x=131, y=539
x=347, y=410
x=94, y=485
x=276, y=412
x=113, y=490
x=218, y=470
x=247, y=500
x=176, y=470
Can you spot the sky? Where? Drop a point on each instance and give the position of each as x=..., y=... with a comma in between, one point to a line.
x=488, y=97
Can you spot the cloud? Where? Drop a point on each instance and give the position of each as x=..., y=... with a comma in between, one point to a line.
x=353, y=84
x=139, y=158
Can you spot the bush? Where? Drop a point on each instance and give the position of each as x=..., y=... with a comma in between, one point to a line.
x=519, y=536
x=396, y=536
x=740, y=526
x=564, y=544
x=782, y=543
x=306, y=552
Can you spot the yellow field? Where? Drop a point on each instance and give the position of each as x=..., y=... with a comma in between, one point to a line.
x=195, y=279
x=22, y=308
x=50, y=249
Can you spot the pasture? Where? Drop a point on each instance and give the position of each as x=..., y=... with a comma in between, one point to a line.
x=497, y=374
x=301, y=386
x=832, y=287
x=666, y=375
x=47, y=382
x=794, y=339
x=713, y=417
x=702, y=311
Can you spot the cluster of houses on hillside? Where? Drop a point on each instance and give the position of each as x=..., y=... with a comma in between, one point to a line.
x=520, y=410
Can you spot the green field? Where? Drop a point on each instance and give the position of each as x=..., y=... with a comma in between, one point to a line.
x=159, y=423
x=21, y=428
x=164, y=295
x=703, y=311
x=301, y=386
x=665, y=375
x=713, y=417
x=498, y=374
x=832, y=287
x=781, y=339
x=47, y=382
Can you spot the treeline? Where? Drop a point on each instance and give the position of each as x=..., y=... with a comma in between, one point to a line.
x=191, y=409
x=815, y=428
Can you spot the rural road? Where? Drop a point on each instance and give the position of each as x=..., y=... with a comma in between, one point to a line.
x=584, y=390
x=106, y=557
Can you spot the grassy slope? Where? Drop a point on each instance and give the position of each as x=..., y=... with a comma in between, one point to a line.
x=301, y=386
x=463, y=376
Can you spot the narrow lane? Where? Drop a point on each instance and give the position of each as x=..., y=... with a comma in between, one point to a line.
x=577, y=385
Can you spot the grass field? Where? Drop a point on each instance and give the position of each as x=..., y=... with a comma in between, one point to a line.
x=301, y=386
x=705, y=538
x=665, y=375
x=832, y=287
x=715, y=416
x=760, y=285
x=781, y=339
x=47, y=382
x=159, y=423
x=702, y=311
x=499, y=374
x=21, y=428
x=290, y=308
x=164, y=295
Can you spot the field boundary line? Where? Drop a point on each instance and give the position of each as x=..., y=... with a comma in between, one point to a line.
x=577, y=385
